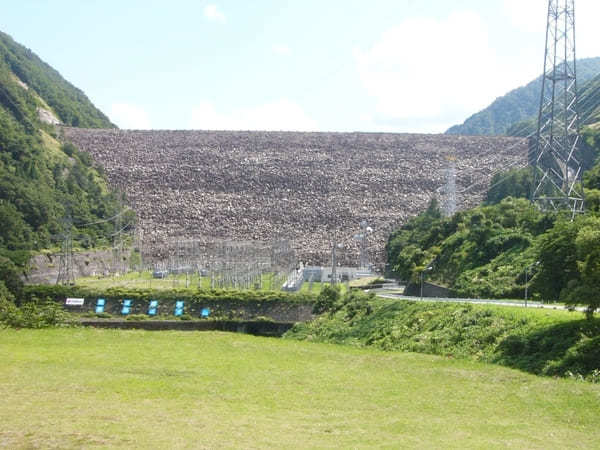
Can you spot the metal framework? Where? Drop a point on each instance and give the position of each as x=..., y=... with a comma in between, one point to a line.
x=65, y=262
x=334, y=260
x=555, y=155
x=233, y=264
x=448, y=191
x=362, y=238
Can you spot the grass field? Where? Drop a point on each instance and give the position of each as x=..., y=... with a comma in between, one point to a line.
x=72, y=388
x=146, y=281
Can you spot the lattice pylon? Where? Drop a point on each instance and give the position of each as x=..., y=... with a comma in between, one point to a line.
x=555, y=153
x=66, y=273
x=448, y=191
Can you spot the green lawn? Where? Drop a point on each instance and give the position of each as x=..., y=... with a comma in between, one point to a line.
x=145, y=280
x=72, y=388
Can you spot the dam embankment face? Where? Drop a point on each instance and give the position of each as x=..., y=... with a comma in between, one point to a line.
x=305, y=187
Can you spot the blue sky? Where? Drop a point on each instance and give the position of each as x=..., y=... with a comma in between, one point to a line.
x=329, y=65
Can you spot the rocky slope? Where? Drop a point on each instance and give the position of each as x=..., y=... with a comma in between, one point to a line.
x=307, y=187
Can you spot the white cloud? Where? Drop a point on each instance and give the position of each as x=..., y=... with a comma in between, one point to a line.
x=275, y=116
x=129, y=117
x=212, y=13
x=531, y=16
x=281, y=49
x=437, y=71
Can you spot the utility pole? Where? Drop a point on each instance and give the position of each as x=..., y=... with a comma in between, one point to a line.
x=555, y=154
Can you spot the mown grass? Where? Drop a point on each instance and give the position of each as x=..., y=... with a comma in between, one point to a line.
x=72, y=388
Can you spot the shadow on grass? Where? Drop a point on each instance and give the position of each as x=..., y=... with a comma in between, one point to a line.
x=555, y=350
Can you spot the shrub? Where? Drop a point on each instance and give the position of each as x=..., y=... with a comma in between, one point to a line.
x=136, y=317
x=327, y=299
x=103, y=315
x=34, y=314
x=8, y=308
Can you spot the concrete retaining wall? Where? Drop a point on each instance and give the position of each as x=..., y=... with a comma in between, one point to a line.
x=277, y=311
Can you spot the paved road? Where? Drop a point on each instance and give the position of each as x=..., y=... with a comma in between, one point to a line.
x=383, y=292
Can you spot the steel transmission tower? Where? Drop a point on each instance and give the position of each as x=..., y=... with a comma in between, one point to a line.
x=65, y=262
x=557, y=170
x=448, y=191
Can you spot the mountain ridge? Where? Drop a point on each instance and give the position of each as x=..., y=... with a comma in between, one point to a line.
x=44, y=182
x=519, y=105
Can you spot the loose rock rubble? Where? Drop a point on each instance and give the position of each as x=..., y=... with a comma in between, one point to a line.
x=306, y=187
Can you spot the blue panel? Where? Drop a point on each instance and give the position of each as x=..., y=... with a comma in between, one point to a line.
x=125, y=310
x=127, y=302
x=152, y=312
x=100, y=302
x=99, y=309
x=178, y=311
x=205, y=312
x=179, y=304
x=153, y=303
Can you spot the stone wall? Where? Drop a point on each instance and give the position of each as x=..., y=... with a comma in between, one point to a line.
x=43, y=269
x=298, y=186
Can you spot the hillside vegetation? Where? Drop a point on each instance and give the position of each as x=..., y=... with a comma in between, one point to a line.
x=543, y=342
x=588, y=108
x=495, y=249
x=39, y=85
x=43, y=181
x=514, y=113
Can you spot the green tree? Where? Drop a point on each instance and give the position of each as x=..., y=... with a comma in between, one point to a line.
x=586, y=289
x=557, y=255
x=10, y=276
x=515, y=183
x=327, y=299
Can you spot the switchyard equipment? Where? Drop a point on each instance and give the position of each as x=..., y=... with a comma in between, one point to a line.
x=362, y=238
x=555, y=156
x=233, y=264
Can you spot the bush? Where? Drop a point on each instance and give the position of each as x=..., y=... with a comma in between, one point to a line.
x=137, y=317
x=33, y=314
x=542, y=344
x=8, y=308
x=327, y=299
x=103, y=315
x=192, y=296
x=10, y=277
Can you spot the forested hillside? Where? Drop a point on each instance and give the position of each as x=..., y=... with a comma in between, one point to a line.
x=588, y=106
x=490, y=251
x=522, y=104
x=43, y=181
x=42, y=86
